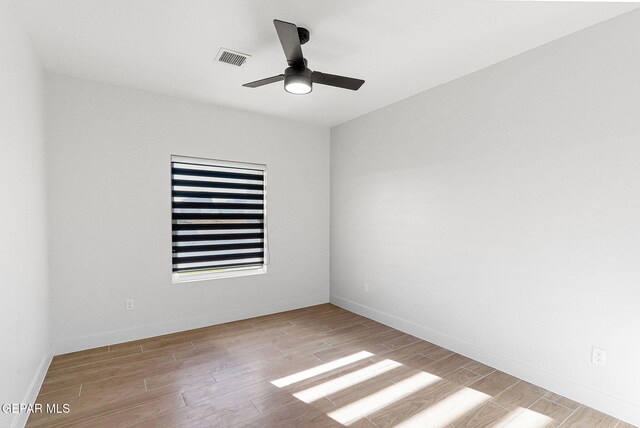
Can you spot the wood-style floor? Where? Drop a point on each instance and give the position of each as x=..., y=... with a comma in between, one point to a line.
x=317, y=366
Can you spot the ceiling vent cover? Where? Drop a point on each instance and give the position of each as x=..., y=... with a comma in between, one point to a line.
x=232, y=57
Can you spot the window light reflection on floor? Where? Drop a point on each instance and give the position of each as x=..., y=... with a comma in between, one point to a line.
x=447, y=410
x=318, y=370
x=359, y=409
x=343, y=382
x=441, y=413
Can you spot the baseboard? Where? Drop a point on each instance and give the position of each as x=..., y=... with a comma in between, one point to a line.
x=587, y=395
x=73, y=344
x=20, y=420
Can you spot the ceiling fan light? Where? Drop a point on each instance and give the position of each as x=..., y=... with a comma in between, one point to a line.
x=297, y=81
x=298, y=88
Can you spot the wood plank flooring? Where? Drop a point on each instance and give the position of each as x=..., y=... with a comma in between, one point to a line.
x=318, y=366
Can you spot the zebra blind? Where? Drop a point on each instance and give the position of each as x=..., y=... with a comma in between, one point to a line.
x=218, y=216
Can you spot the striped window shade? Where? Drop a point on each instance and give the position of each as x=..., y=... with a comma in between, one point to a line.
x=218, y=218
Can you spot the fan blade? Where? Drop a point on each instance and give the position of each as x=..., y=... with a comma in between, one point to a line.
x=338, y=81
x=290, y=41
x=263, y=82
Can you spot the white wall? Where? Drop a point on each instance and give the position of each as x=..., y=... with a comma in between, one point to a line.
x=499, y=215
x=110, y=215
x=24, y=299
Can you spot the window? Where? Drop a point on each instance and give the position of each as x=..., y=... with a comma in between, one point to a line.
x=218, y=219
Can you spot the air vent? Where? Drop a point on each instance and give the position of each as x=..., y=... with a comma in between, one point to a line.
x=231, y=57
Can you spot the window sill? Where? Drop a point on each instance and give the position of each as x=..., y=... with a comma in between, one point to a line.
x=179, y=278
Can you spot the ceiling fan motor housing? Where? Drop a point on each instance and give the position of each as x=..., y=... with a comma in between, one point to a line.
x=297, y=80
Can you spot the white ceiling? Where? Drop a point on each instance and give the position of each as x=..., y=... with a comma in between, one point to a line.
x=400, y=47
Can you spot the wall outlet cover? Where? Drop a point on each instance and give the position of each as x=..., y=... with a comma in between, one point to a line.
x=598, y=356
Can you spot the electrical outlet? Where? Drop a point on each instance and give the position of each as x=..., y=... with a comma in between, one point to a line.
x=366, y=287
x=128, y=304
x=598, y=356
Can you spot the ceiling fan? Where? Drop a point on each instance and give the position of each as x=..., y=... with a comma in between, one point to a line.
x=298, y=79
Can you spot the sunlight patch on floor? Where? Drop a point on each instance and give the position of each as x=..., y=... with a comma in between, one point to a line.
x=343, y=382
x=318, y=370
x=447, y=410
x=441, y=413
x=359, y=409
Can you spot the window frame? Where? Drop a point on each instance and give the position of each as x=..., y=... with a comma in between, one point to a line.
x=210, y=274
